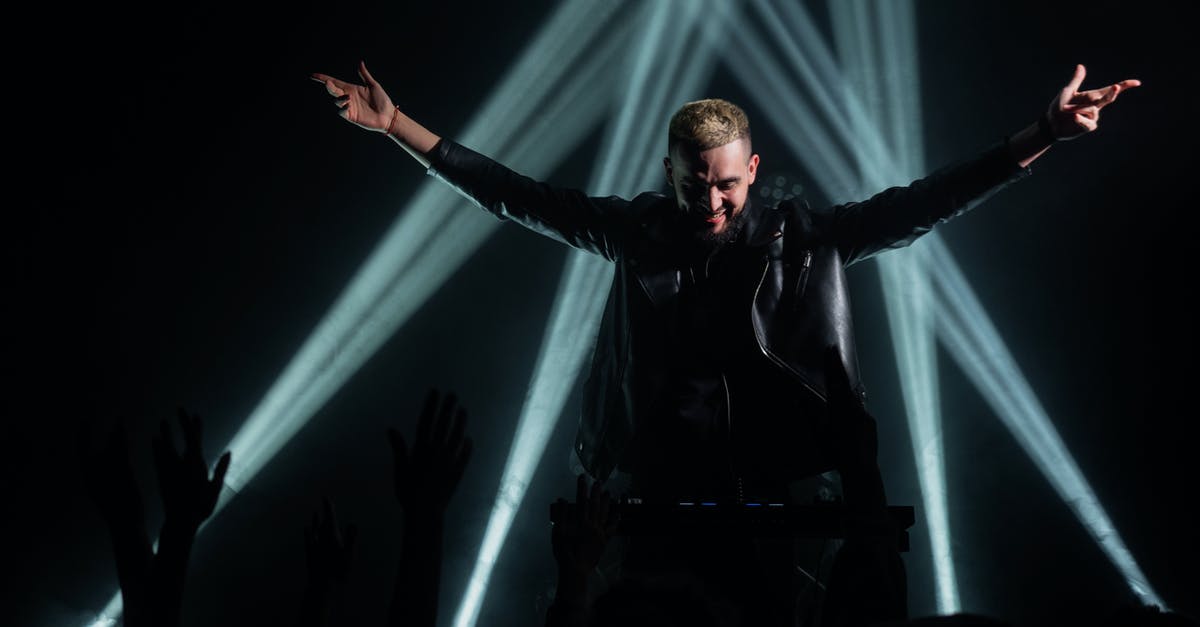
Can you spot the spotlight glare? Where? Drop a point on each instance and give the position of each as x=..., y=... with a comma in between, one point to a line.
x=583, y=289
x=428, y=241
x=976, y=346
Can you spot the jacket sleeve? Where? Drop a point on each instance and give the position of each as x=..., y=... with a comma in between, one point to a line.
x=593, y=224
x=897, y=216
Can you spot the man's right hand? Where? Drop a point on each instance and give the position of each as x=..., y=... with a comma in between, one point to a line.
x=367, y=106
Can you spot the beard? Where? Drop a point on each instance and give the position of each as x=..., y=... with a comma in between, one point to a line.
x=734, y=224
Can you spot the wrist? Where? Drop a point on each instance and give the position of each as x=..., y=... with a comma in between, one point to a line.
x=1045, y=131
x=387, y=131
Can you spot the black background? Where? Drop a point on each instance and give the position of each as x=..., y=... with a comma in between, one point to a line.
x=184, y=205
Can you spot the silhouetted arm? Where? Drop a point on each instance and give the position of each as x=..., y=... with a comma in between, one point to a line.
x=189, y=496
x=578, y=542
x=328, y=552
x=426, y=476
x=110, y=483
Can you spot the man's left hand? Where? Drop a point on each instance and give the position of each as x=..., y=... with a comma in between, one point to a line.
x=1073, y=113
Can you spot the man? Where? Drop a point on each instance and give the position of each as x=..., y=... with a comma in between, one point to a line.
x=708, y=378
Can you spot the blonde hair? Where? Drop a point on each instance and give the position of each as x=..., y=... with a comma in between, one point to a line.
x=705, y=124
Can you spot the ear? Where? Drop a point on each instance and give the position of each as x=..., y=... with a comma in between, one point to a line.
x=751, y=169
x=667, y=169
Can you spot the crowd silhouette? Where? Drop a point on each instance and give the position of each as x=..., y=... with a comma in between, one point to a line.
x=734, y=581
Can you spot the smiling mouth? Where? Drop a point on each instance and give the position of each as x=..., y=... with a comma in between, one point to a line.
x=715, y=217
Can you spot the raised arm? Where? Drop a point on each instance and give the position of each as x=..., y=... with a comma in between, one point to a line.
x=897, y=216
x=328, y=550
x=600, y=225
x=108, y=478
x=426, y=476
x=189, y=496
x=369, y=106
x=578, y=543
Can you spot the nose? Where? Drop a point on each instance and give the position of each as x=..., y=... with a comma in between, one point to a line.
x=715, y=200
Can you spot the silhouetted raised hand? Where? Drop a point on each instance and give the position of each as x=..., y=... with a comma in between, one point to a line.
x=327, y=547
x=152, y=583
x=188, y=494
x=189, y=497
x=426, y=476
x=578, y=542
x=328, y=552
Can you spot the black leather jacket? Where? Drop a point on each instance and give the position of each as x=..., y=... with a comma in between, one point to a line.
x=800, y=305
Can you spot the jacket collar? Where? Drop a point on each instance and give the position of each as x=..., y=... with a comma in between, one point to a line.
x=763, y=225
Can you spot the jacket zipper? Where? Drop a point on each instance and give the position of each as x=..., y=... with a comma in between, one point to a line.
x=802, y=281
x=731, y=451
x=762, y=346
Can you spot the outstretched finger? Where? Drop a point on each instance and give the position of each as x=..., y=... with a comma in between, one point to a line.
x=365, y=74
x=325, y=79
x=1076, y=80
x=1114, y=90
x=333, y=86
